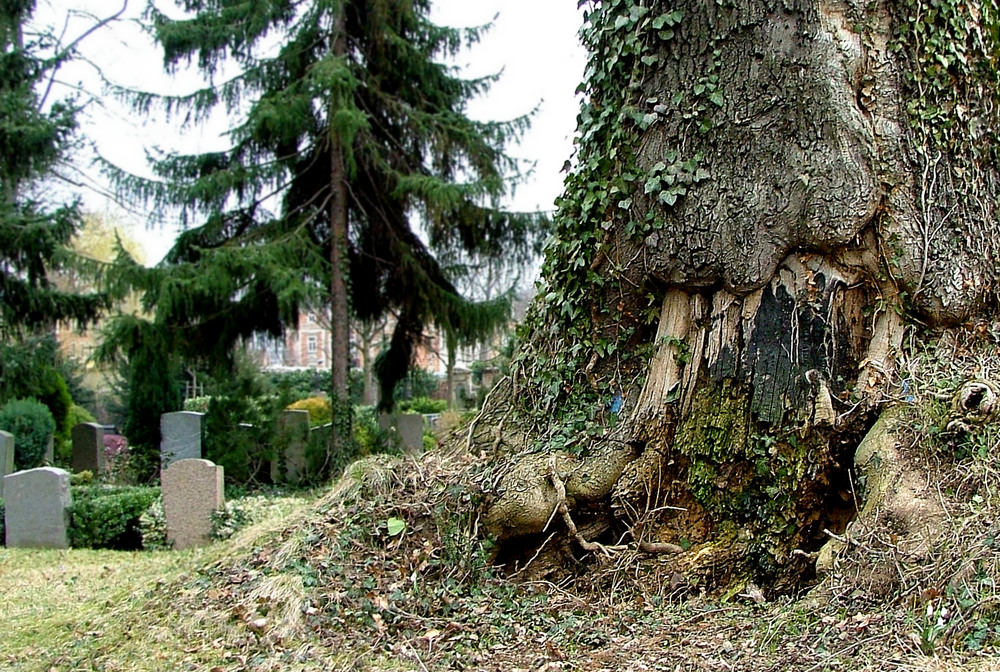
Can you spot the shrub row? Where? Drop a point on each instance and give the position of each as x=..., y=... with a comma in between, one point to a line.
x=108, y=517
x=32, y=425
x=131, y=518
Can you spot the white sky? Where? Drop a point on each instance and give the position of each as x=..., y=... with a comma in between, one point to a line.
x=534, y=43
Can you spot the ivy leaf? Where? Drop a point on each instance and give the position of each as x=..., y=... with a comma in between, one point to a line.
x=625, y=204
x=668, y=19
x=668, y=197
x=648, y=120
x=395, y=526
x=652, y=184
x=717, y=98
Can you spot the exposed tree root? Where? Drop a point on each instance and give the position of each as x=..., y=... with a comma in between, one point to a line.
x=563, y=510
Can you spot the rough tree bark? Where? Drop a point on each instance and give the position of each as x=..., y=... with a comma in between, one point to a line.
x=797, y=208
x=340, y=331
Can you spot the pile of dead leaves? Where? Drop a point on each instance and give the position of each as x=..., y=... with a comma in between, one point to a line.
x=389, y=571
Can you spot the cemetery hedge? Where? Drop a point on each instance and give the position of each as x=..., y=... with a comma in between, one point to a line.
x=31, y=423
x=422, y=405
x=103, y=517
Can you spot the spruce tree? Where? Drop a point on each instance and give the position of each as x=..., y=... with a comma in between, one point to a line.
x=354, y=168
x=34, y=230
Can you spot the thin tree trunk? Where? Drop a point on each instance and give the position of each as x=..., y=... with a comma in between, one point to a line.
x=11, y=39
x=451, y=373
x=366, y=344
x=339, y=312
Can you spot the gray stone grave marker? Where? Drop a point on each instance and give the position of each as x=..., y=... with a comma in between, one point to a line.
x=192, y=491
x=180, y=437
x=409, y=427
x=6, y=456
x=88, y=447
x=35, y=508
x=291, y=439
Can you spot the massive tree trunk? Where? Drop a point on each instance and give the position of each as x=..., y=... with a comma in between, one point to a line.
x=765, y=195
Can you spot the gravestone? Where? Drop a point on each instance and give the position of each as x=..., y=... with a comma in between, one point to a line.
x=291, y=439
x=408, y=426
x=180, y=437
x=50, y=450
x=6, y=456
x=35, y=508
x=192, y=491
x=88, y=447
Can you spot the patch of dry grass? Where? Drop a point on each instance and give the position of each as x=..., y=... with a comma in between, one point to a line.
x=110, y=610
x=62, y=609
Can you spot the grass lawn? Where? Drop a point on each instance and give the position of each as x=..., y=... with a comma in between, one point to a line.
x=110, y=610
x=68, y=610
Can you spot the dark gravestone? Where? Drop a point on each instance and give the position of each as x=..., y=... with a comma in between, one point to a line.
x=88, y=447
x=180, y=437
x=291, y=440
x=409, y=427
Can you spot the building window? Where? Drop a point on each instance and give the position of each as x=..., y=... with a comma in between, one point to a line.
x=312, y=318
x=311, y=345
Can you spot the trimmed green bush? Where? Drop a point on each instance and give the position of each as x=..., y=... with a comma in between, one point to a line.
x=319, y=409
x=153, y=527
x=197, y=404
x=422, y=405
x=108, y=517
x=238, y=432
x=78, y=414
x=31, y=423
